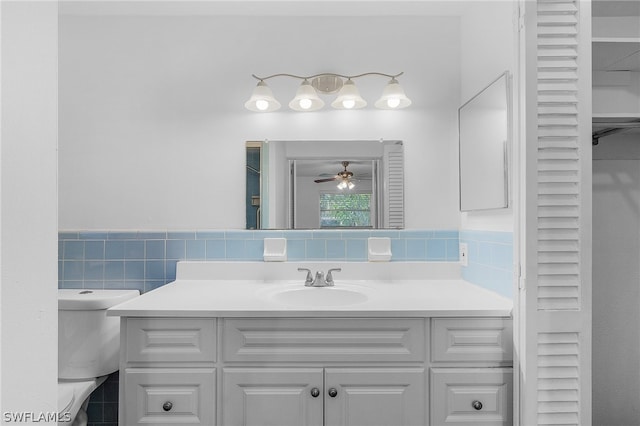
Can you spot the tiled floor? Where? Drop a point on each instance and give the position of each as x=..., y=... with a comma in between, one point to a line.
x=103, y=405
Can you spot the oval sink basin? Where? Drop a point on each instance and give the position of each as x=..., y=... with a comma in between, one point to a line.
x=320, y=296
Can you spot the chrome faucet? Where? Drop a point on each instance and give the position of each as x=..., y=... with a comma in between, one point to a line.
x=319, y=280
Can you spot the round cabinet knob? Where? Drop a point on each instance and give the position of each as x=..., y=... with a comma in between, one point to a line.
x=477, y=405
x=167, y=406
x=333, y=392
x=315, y=392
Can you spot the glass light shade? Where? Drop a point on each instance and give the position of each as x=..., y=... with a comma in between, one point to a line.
x=393, y=97
x=306, y=99
x=262, y=99
x=349, y=97
x=345, y=183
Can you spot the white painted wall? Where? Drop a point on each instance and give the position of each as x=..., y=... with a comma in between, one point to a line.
x=152, y=127
x=28, y=205
x=616, y=281
x=488, y=49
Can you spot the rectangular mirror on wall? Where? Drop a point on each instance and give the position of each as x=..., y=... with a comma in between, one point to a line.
x=484, y=126
x=325, y=185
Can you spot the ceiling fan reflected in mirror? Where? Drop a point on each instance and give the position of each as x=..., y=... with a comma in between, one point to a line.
x=344, y=177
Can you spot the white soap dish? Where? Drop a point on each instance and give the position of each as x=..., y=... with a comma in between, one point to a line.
x=379, y=249
x=275, y=249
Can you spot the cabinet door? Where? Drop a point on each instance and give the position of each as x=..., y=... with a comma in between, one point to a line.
x=375, y=397
x=272, y=396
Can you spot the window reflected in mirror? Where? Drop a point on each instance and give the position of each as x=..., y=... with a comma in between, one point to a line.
x=345, y=210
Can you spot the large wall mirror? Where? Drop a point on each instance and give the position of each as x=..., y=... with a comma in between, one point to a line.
x=325, y=184
x=484, y=125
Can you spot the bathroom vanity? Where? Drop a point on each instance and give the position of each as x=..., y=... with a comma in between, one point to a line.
x=261, y=352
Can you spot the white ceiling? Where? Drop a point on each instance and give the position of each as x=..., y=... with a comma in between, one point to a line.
x=328, y=168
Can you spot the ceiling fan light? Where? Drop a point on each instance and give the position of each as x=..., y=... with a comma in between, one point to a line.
x=342, y=185
x=351, y=185
x=393, y=97
x=306, y=98
x=262, y=99
x=349, y=97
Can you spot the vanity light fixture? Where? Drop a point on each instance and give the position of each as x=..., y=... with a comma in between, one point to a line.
x=307, y=99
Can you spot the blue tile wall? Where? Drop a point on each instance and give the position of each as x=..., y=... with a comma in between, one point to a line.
x=147, y=260
x=490, y=260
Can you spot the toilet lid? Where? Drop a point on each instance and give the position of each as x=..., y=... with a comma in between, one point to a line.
x=66, y=396
x=92, y=300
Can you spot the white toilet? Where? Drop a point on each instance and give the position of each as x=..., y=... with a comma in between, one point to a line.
x=88, y=347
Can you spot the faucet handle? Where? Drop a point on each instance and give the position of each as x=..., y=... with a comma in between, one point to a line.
x=309, y=279
x=329, y=279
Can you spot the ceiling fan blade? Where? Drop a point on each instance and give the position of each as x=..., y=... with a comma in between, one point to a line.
x=326, y=180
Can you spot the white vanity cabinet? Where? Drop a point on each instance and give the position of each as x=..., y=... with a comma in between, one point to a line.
x=315, y=371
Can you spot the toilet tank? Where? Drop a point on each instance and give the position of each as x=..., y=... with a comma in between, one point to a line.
x=88, y=340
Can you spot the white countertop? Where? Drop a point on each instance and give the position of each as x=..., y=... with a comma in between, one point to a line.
x=255, y=298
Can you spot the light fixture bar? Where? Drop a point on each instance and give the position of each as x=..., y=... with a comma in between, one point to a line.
x=307, y=99
x=309, y=77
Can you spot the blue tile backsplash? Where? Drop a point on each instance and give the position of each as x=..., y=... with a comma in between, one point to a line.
x=147, y=260
x=490, y=260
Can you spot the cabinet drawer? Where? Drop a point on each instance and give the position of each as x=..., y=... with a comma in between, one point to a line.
x=171, y=340
x=471, y=396
x=169, y=396
x=323, y=340
x=482, y=340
